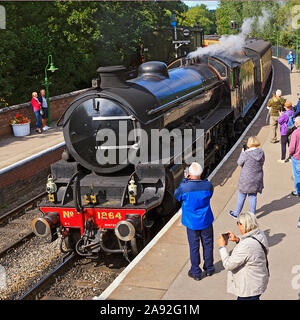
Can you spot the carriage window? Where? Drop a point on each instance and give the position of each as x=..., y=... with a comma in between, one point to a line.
x=220, y=67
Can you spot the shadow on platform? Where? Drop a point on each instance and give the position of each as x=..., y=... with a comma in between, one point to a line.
x=281, y=82
x=275, y=238
x=277, y=205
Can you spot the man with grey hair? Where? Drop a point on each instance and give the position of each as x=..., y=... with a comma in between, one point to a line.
x=197, y=217
x=294, y=150
x=275, y=105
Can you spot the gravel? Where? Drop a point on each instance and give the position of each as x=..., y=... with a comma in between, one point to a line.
x=87, y=278
x=27, y=264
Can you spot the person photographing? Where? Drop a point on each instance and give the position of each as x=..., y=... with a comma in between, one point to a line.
x=197, y=217
x=248, y=267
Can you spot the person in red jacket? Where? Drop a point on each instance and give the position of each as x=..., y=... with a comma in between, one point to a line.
x=36, y=109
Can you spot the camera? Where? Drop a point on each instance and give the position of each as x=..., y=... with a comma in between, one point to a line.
x=225, y=237
x=186, y=172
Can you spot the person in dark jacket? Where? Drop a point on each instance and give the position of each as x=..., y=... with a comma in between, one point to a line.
x=42, y=99
x=197, y=217
x=283, y=121
x=251, y=177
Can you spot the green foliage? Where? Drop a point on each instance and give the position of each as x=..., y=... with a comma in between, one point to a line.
x=278, y=24
x=81, y=36
x=203, y=16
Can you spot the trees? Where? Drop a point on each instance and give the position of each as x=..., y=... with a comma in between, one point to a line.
x=81, y=36
x=277, y=24
x=201, y=14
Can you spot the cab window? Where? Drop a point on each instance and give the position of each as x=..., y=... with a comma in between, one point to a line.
x=218, y=66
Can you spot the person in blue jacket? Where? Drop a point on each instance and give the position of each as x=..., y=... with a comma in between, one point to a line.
x=197, y=217
x=291, y=60
x=296, y=108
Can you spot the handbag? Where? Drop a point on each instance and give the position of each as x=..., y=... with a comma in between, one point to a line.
x=42, y=112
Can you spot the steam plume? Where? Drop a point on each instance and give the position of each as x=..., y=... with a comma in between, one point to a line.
x=233, y=43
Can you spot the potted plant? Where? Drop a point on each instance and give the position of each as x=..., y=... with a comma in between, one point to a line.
x=20, y=125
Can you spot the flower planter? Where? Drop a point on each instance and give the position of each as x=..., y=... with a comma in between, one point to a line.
x=22, y=129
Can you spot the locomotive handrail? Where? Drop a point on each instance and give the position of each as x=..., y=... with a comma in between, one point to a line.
x=133, y=146
x=115, y=118
x=169, y=104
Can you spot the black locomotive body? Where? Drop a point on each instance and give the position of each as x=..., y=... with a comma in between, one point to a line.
x=112, y=206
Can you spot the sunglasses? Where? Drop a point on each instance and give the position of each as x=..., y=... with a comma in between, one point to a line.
x=238, y=223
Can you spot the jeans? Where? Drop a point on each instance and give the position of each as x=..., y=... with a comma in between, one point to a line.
x=38, y=119
x=249, y=298
x=296, y=173
x=291, y=66
x=207, y=239
x=241, y=200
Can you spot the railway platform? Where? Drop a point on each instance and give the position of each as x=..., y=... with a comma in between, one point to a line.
x=160, y=272
x=15, y=149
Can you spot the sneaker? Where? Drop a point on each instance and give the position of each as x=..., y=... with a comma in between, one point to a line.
x=281, y=161
x=294, y=193
x=231, y=213
x=197, y=278
x=46, y=128
x=209, y=273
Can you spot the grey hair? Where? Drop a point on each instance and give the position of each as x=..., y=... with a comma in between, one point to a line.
x=278, y=93
x=195, y=169
x=248, y=221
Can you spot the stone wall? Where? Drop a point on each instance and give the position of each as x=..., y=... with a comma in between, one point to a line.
x=58, y=105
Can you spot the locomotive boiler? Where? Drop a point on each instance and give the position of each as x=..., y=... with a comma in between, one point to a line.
x=101, y=196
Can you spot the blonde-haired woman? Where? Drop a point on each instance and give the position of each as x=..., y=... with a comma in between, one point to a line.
x=251, y=177
x=248, y=267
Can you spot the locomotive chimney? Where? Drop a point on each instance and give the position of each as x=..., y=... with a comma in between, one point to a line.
x=112, y=77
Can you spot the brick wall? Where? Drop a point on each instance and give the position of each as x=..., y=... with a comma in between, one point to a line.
x=26, y=178
x=58, y=105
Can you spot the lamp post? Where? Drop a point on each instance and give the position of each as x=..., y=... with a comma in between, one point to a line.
x=46, y=84
x=277, y=42
x=297, y=52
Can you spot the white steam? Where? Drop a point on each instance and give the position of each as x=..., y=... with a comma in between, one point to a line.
x=233, y=43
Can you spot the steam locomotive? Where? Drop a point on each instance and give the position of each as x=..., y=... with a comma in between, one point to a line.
x=98, y=206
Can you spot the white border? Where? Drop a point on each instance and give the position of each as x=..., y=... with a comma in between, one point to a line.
x=108, y=291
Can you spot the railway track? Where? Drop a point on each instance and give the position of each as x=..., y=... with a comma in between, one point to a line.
x=35, y=292
x=77, y=278
x=15, y=225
